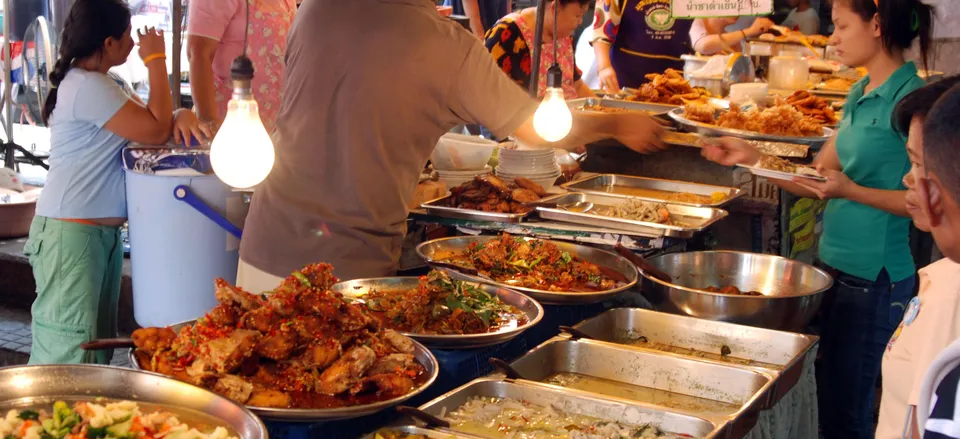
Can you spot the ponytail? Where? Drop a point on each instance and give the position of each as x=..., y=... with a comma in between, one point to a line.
x=88, y=25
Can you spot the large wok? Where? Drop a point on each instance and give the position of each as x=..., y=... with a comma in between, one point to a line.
x=792, y=291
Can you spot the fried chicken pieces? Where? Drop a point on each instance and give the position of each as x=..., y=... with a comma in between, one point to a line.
x=814, y=107
x=490, y=193
x=779, y=120
x=669, y=88
x=299, y=346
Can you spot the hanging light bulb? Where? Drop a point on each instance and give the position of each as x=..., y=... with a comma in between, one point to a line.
x=553, y=119
x=242, y=153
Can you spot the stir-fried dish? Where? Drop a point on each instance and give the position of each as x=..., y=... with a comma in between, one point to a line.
x=93, y=420
x=730, y=289
x=444, y=306
x=299, y=346
x=534, y=263
x=637, y=210
x=515, y=419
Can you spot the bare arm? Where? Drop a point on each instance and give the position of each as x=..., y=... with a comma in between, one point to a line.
x=637, y=131
x=150, y=124
x=200, y=53
x=827, y=158
x=708, y=44
x=472, y=9
x=583, y=91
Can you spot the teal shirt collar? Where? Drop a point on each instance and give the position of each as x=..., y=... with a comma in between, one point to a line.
x=889, y=89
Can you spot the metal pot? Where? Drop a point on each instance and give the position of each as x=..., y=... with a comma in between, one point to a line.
x=792, y=291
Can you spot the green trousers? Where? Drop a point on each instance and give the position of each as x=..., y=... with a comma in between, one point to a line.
x=77, y=268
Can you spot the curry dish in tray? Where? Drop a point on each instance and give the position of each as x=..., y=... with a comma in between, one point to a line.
x=300, y=346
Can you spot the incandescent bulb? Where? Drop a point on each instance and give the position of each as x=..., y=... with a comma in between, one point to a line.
x=553, y=120
x=242, y=153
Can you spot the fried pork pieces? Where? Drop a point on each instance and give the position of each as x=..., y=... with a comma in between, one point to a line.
x=779, y=120
x=299, y=346
x=669, y=88
x=490, y=193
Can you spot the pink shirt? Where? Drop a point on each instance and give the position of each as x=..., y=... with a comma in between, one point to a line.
x=224, y=21
x=917, y=342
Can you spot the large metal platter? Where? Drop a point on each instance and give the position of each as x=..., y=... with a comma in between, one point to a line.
x=574, y=401
x=440, y=208
x=608, y=184
x=23, y=387
x=421, y=353
x=722, y=393
x=646, y=107
x=778, y=352
x=358, y=288
x=713, y=130
x=699, y=218
x=438, y=250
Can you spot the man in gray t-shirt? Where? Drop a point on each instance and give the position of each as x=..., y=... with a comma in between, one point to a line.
x=370, y=87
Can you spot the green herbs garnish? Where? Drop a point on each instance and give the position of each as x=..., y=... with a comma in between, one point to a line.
x=29, y=415
x=566, y=258
x=303, y=279
x=466, y=297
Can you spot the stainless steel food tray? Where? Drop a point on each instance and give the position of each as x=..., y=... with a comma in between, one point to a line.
x=441, y=249
x=743, y=391
x=605, y=184
x=779, y=352
x=439, y=208
x=429, y=433
x=653, y=109
x=574, y=401
x=713, y=130
x=357, y=288
x=421, y=354
x=703, y=217
x=32, y=387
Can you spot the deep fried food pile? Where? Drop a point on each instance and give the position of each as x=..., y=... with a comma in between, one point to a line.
x=299, y=346
x=441, y=305
x=534, y=263
x=669, y=88
x=779, y=120
x=797, y=38
x=490, y=193
x=813, y=106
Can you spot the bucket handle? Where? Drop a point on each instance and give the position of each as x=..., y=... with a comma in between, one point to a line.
x=184, y=194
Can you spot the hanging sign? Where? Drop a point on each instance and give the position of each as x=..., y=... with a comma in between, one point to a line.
x=719, y=8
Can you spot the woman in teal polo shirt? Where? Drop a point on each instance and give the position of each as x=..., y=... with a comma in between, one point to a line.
x=865, y=242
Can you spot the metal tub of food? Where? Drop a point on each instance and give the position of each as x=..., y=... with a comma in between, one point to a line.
x=612, y=264
x=791, y=290
x=781, y=353
x=718, y=392
x=532, y=311
x=421, y=354
x=572, y=402
x=441, y=207
x=414, y=432
x=655, y=189
x=38, y=387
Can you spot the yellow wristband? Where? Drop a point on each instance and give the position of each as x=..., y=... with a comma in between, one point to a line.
x=153, y=57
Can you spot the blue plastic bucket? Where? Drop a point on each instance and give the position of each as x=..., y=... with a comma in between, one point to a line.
x=176, y=252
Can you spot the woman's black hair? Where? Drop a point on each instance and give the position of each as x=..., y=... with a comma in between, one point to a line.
x=88, y=25
x=919, y=103
x=581, y=2
x=901, y=22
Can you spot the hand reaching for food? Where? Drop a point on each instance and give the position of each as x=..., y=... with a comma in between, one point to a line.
x=729, y=151
x=639, y=132
x=837, y=184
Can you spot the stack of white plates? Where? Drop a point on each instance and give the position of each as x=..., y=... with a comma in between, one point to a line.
x=539, y=165
x=452, y=179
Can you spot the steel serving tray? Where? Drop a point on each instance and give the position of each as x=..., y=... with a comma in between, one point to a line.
x=358, y=288
x=713, y=130
x=607, y=184
x=439, y=208
x=782, y=353
x=574, y=401
x=24, y=387
x=441, y=249
x=421, y=431
x=699, y=217
x=700, y=385
x=651, y=108
x=421, y=354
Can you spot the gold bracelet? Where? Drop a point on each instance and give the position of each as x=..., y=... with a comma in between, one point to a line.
x=153, y=57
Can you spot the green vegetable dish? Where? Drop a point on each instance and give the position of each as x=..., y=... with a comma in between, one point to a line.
x=113, y=420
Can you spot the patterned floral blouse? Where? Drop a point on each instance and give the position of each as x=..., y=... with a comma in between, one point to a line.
x=509, y=42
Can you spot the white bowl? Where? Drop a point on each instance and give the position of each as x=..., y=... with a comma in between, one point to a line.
x=547, y=182
x=530, y=175
x=457, y=152
x=472, y=172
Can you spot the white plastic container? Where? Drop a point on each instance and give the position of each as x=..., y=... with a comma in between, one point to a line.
x=788, y=73
x=460, y=152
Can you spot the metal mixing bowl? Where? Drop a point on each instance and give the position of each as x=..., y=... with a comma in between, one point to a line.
x=40, y=386
x=792, y=291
